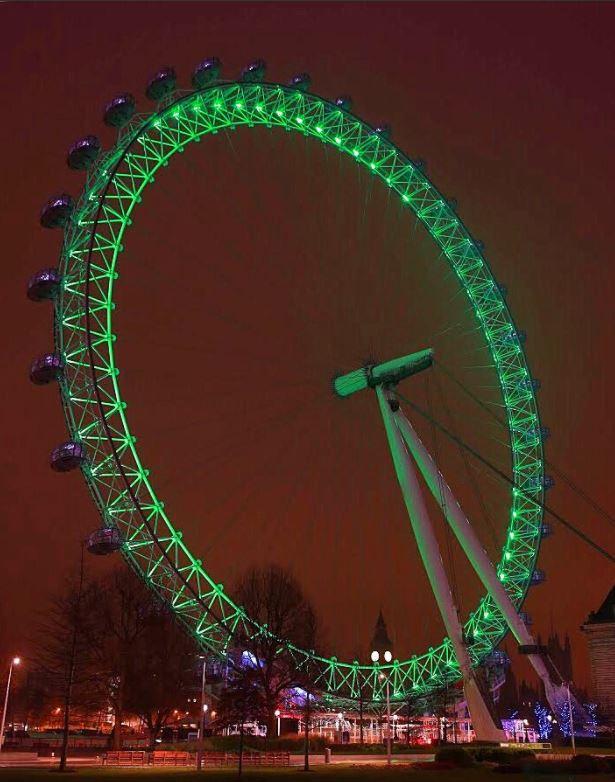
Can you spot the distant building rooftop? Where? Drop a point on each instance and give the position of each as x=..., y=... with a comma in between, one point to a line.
x=380, y=640
x=606, y=613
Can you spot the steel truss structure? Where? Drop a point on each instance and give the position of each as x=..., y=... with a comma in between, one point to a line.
x=96, y=413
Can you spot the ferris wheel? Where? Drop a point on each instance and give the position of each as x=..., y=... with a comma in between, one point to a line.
x=82, y=287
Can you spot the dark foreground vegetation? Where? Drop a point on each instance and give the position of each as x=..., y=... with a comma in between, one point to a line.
x=335, y=773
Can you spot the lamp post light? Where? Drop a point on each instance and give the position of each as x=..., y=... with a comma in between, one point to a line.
x=571, y=722
x=199, y=754
x=388, y=656
x=277, y=716
x=14, y=661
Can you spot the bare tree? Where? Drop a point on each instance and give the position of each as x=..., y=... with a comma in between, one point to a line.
x=63, y=651
x=160, y=671
x=122, y=607
x=273, y=598
x=240, y=701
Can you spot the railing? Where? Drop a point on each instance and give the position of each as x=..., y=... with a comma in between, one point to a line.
x=125, y=758
x=210, y=759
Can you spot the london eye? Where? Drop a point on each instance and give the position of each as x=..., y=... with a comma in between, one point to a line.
x=366, y=325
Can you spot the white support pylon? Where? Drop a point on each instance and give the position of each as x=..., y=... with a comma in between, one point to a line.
x=472, y=548
x=484, y=726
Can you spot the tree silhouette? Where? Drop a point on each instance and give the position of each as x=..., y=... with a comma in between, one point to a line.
x=64, y=654
x=160, y=671
x=273, y=598
x=122, y=608
x=241, y=700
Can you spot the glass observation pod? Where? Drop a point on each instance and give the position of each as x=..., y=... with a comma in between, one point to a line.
x=103, y=541
x=57, y=211
x=44, y=285
x=83, y=153
x=46, y=368
x=68, y=456
x=119, y=111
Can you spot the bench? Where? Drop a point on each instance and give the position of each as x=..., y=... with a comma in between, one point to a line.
x=171, y=758
x=265, y=759
x=125, y=758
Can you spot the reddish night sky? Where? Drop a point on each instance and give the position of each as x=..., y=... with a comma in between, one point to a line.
x=278, y=265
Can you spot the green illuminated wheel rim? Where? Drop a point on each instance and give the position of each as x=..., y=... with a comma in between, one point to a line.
x=96, y=413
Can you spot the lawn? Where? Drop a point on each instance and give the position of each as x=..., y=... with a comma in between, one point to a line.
x=320, y=774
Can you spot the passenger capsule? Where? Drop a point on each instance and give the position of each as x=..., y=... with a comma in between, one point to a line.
x=525, y=384
x=161, y=84
x=206, y=72
x=420, y=164
x=46, y=368
x=532, y=436
x=301, y=81
x=106, y=540
x=83, y=153
x=538, y=577
x=497, y=658
x=383, y=130
x=43, y=285
x=480, y=246
x=526, y=618
x=67, y=456
x=57, y=211
x=119, y=111
x=254, y=71
x=537, y=482
x=512, y=337
x=546, y=530
x=344, y=102
x=452, y=202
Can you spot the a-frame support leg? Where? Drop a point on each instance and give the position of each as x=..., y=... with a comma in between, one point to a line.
x=484, y=726
x=473, y=549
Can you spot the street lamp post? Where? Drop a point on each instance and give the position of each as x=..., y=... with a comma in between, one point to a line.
x=199, y=754
x=387, y=658
x=571, y=722
x=14, y=661
x=277, y=716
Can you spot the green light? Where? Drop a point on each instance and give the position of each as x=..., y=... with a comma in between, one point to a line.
x=348, y=384
x=126, y=181
x=373, y=375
